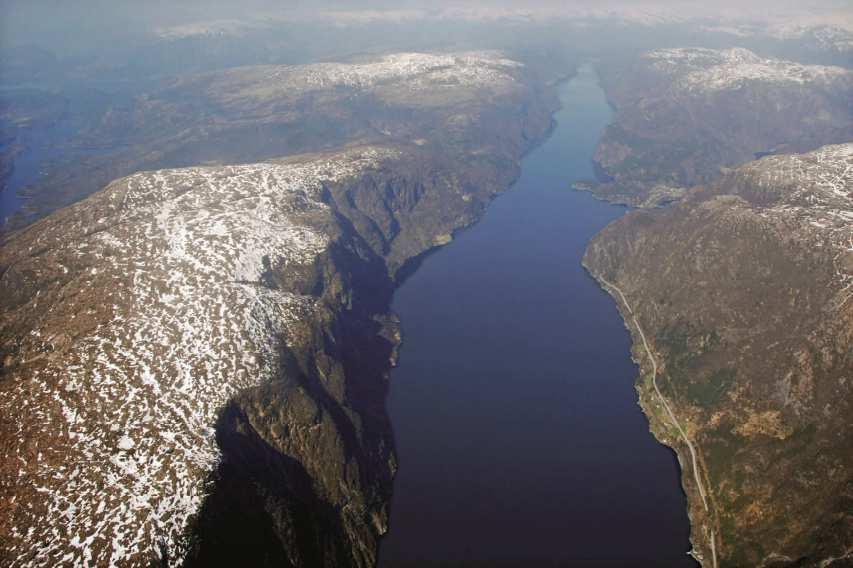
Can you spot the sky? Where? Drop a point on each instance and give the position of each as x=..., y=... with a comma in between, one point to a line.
x=175, y=11
x=55, y=21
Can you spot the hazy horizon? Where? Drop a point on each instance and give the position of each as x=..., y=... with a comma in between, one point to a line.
x=55, y=22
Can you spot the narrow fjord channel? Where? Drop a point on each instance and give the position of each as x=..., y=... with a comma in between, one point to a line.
x=519, y=436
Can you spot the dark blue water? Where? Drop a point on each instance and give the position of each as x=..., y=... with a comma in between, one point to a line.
x=25, y=172
x=41, y=145
x=48, y=142
x=519, y=436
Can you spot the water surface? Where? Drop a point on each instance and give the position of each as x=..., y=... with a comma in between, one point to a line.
x=517, y=427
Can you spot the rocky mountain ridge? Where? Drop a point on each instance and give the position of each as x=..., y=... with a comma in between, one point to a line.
x=743, y=291
x=697, y=69
x=684, y=115
x=196, y=357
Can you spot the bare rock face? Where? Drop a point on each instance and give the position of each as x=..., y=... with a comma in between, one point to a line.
x=194, y=360
x=744, y=292
x=686, y=114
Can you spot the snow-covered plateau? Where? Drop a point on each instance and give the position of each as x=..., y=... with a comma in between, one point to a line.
x=413, y=73
x=701, y=69
x=118, y=440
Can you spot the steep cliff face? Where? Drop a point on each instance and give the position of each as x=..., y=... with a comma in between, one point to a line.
x=683, y=115
x=194, y=360
x=743, y=295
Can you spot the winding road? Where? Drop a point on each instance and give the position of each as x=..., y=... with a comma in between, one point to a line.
x=668, y=411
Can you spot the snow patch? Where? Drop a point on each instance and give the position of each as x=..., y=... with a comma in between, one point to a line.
x=700, y=69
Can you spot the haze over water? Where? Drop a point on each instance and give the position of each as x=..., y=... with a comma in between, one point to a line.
x=517, y=427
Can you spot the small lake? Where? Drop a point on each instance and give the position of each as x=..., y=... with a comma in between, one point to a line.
x=519, y=436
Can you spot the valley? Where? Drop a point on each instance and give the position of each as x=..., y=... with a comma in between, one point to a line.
x=319, y=292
